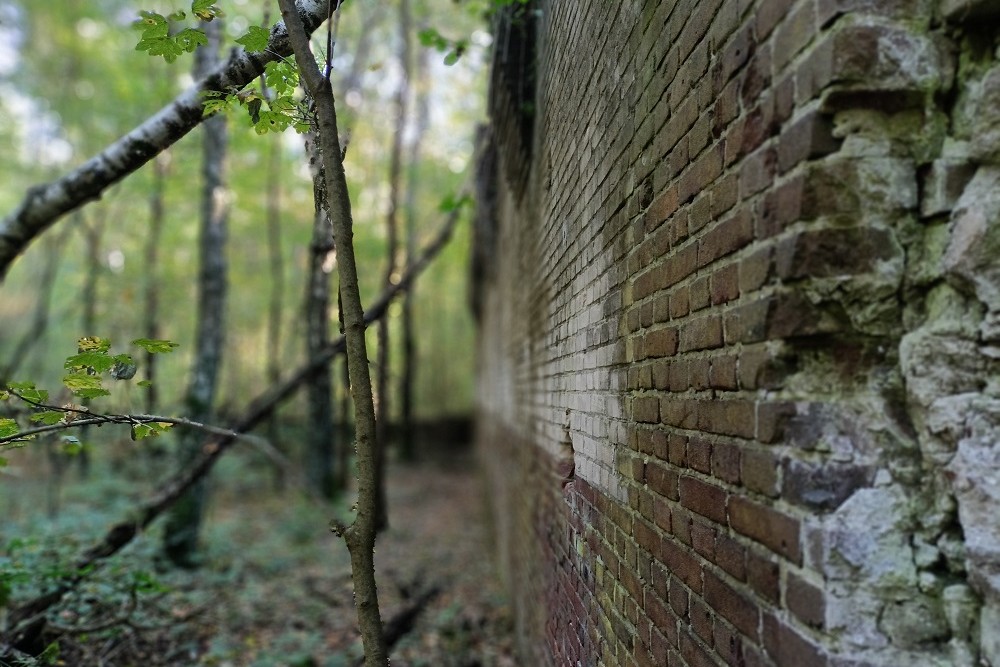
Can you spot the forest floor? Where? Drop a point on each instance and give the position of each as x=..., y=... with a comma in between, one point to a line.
x=274, y=588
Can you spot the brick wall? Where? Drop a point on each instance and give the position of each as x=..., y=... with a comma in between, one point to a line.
x=740, y=331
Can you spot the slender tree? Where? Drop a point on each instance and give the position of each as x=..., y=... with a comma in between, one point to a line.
x=359, y=535
x=180, y=540
x=151, y=291
x=407, y=445
x=321, y=437
x=401, y=103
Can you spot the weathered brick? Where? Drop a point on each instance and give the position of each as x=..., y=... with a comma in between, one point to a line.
x=806, y=601
x=834, y=251
x=705, y=499
x=759, y=471
x=726, y=237
x=775, y=530
x=808, y=138
x=646, y=409
x=732, y=605
x=699, y=455
x=682, y=565
x=764, y=576
x=661, y=342
x=789, y=649
x=662, y=480
x=731, y=557
x=724, y=284
x=726, y=462
x=723, y=373
x=701, y=334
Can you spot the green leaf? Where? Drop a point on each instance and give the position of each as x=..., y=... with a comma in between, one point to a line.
x=431, y=37
x=48, y=417
x=152, y=429
x=205, y=9
x=190, y=39
x=85, y=386
x=154, y=345
x=451, y=58
x=28, y=391
x=8, y=427
x=71, y=445
x=255, y=40
x=282, y=76
x=3, y=464
x=99, y=362
x=145, y=383
x=160, y=46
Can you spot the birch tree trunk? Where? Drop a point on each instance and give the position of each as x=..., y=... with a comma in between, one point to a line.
x=407, y=446
x=360, y=535
x=180, y=540
x=321, y=436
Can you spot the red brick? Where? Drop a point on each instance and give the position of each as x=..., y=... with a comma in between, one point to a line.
x=730, y=556
x=756, y=270
x=789, y=649
x=700, y=334
x=723, y=373
x=692, y=651
x=726, y=237
x=679, y=412
x=724, y=284
x=699, y=295
x=763, y=575
x=661, y=209
x=699, y=455
x=705, y=499
x=727, y=417
x=661, y=343
x=662, y=480
x=682, y=565
x=726, y=462
x=732, y=605
x=775, y=530
x=703, y=540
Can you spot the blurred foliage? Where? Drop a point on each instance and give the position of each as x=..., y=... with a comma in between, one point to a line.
x=75, y=82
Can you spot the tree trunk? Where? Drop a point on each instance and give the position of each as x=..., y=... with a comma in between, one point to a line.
x=184, y=523
x=276, y=300
x=321, y=437
x=392, y=258
x=407, y=446
x=151, y=323
x=360, y=535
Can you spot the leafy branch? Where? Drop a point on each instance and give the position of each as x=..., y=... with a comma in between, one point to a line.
x=85, y=379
